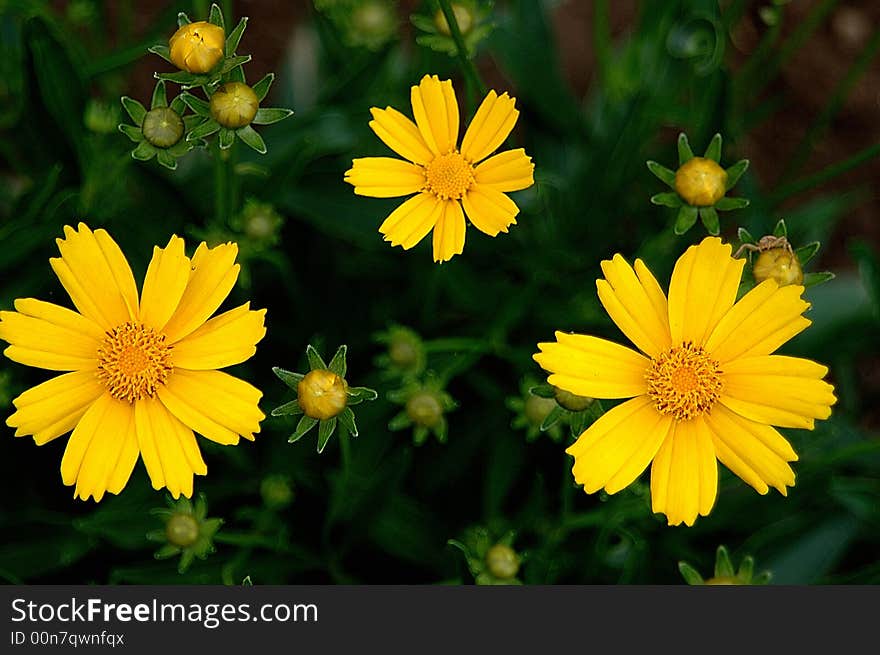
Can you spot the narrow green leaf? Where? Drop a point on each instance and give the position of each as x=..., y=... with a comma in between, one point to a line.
x=812, y=279
x=271, y=115
x=182, y=19
x=723, y=565
x=178, y=106
x=183, y=78
x=359, y=394
x=305, y=424
x=780, y=230
x=166, y=159
x=662, y=173
x=338, y=364
x=325, y=430
x=807, y=252
x=735, y=172
x=132, y=132
x=289, y=378
x=288, y=409
x=261, y=88
x=713, y=151
x=144, y=151
x=316, y=363
x=183, y=146
x=346, y=419
x=162, y=50
x=159, y=97
x=685, y=153
x=252, y=139
x=134, y=109
x=205, y=129
x=710, y=219
x=215, y=16
x=727, y=204
x=199, y=106
x=667, y=199
x=745, y=236
x=231, y=62
x=555, y=414
x=543, y=391
x=690, y=574
x=227, y=138
x=235, y=36
x=685, y=220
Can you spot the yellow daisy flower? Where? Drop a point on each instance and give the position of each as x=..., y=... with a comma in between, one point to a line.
x=707, y=386
x=142, y=372
x=449, y=180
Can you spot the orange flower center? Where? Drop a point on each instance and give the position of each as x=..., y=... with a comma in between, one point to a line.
x=684, y=381
x=133, y=361
x=449, y=176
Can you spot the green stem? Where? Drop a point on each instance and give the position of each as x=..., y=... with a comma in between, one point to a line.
x=475, y=83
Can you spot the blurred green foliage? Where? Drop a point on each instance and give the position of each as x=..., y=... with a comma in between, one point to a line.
x=385, y=511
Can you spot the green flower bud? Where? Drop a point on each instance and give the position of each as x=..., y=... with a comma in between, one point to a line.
x=424, y=409
x=572, y=402
x=162, y=127
x=502, y=561
x=182, y=530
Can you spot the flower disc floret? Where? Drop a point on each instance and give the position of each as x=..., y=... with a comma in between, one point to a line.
x=684, y=381
x=133, y=362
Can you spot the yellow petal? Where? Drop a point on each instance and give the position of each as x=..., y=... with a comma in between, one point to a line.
x=411, y=222
x=702, y=289
x=615, y=450
x=593, y=367
x=436, y=112
x=227, y=339
x=400, y=134
x=449, y=232
x=54, y=407
x=756, y=453
x=128, y=456
x=97, y=276
x=763, y=319
x=632, y=303
x=684, y=475
x=168, y=448
x=385, y=177
x=166, y=280
x=49, y=336
x=491, y=125
x=212, y=276
x=510, y=170
x=489, y=210
x=214, y=404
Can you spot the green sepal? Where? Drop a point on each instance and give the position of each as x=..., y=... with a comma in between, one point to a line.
x=550, y=420
x=134, y=109
x=184, y=78
x=186, y=559
x=236, y=75
x=235, y=36
x=662, y=173
x=667, y=199
x=231, y=62
x=132, y=132
x=183, y=146
x=685, y=154
x=271, y=115
x=288, y=409
x=579, y=422
x=780, y=229
x=420, y=435
x=205, y=129
x=441, y=431
x=745, y=236
x=357, y=395
x=543, y=391
x=261, y=88
x=316, y=363
x=399, y=422
x=289, y=378
x=690, y=574
x=167, y=551
x=215, y=16
x=182, y=19
x=337, y=364
x=252, y=139
x=144, y=151
x=807, y=252
x=727, y=204
x=735, y=172
x=227, y=138
x=723, y=565
x=346, y=420
x=166, y=159
x=199, y=106
x=713, y=150
x=305, y=424
x=710, y=219
x=325, y=431
x=685, y=220
x=160, y=99
x=162, y=50
x=746, y=570
x=762, y=578
x=812, y=279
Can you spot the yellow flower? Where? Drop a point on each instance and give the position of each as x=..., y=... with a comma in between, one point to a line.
x=197, y=47
x=141, y=372
x=707, y=386
x=449, y=180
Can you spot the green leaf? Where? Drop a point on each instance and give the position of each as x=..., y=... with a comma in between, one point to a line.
x=215, y=16
x=812, y=279
x=182, y=19
x=132, y=132
x=690, y=574
x=685, y=220
x=713, y=151
x=710, y=219
x=667, y=199
x=252, y=139
x=183, y=78
x=357, y=395
x=723, y=565
x=227, y=138
x=162, y=50
x=325, y=430
x=261, y=88
x=288, y=409
x=235, y=36
x=134, y=109
x=555, y=414
x=685, y=153
x=178, y=106
x=745, y=236
x=144, y=152
x=420, y=435
x=543, y=391
x=289, y=378
x=727, y=204
x=780, y=230
x=271, y=115
x=807, y=252
x=662, y=173
x=166, y=159
x=199, y=106
x=205, y=129
x=236, y=75
x=399, y=422
x=735, y=172
x=337, y=364
x=232, y=62
x=159, y=97
x=315, y=361
x=183, y=146
x=305, y=424
x=346, y=419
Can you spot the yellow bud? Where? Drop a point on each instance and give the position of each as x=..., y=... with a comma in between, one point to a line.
x=322, y=394
x=572, y=402
x=463, y=17
x=701, y=182
x=234, y=105
x=197, y=47
x=182, y=530
x=781, y=264
x=502, y=561
x=424, y=409
x=162, y=127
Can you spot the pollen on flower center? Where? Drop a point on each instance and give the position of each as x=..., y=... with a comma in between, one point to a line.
x=133, y=361
x=449, y=176
x=684, y=381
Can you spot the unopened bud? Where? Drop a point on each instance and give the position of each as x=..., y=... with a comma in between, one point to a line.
x=197, y=47
x=234, y=105
x=322, y=394
x=701, y=182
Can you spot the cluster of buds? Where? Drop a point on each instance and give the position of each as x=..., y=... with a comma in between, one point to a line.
x=187, y=531
x=207, y=59
x=473, y=18
x=490, y=561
